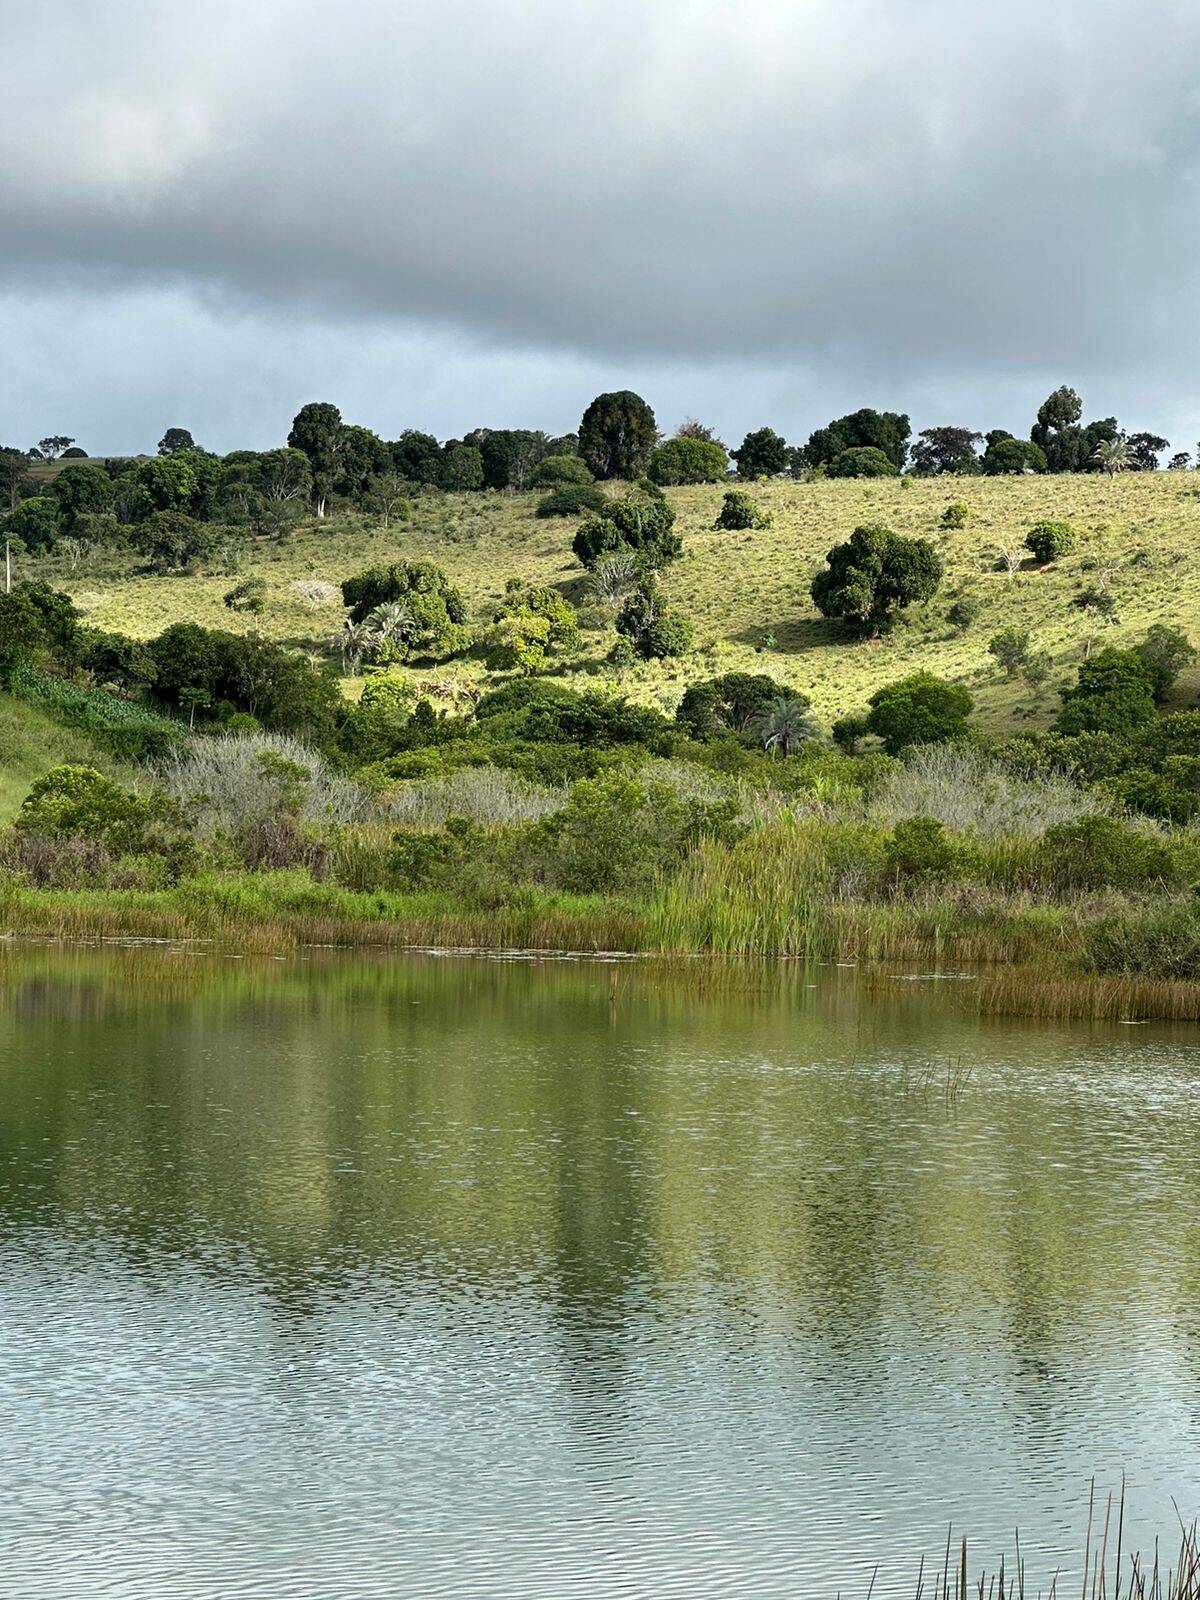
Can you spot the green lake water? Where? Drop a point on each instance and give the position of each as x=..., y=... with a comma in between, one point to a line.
x=431, y=1276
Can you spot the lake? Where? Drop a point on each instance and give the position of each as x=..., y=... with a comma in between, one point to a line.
x=382, y=1275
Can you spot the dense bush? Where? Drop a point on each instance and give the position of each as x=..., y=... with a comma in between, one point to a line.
x=736, y=703
x=921, y=709
x=740, y=510
x=553, y=471
x=79, y=801
x=654, y=631
x=570, y=499
x=1097, y=852
x=533, y=623
x=763, y=454
x=642, y=522
x=955, y=515
x=886, y=431
x=1050, y=540
x=874, y=575
x=688, y=461
x=1114, y=694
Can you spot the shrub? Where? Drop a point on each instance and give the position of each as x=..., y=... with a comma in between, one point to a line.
x=641, y=521
x=533, y=623
x=874, y=575
x=33, y=524
x=921, y=709
x=1050, y=540
x=79, y=801
x=689, y=461
x=739, y=510
x=762, y=454
x=551, y=471
x=1097, y=852
x=1165, y=652
x=955, y=515
x=864, y=461
x=1114, y=693
x=736, y=703
x=920, y=848
x=653, y=631
x=1010, y=647
x=570, y=499
x=963, y=613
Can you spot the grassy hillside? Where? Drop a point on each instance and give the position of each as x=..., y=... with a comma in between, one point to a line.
x=747, y=593
x=30, y=742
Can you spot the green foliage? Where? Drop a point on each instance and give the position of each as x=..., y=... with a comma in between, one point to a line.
x=128, y=730
x=1010, y=647
x=534, y=623
x=416, y=456
x=617, y=435
x=736, y=703
x=361, y=457
x=1165, y=652
x=963, y=613
x=22, y=635
x=552, y=471
x=641, y=521
x=1097, y=852
x=81, y=489
x=33, y=525
x=946, y=452
x=174, y=542
x=1114, y=694
x=250, y=595
x=955, y=515
x=739, y=510
x=461, y=467
x=921, y=709
x=1048, y=541
x=79, y=802
x=404, y=580
x=873, y=576
x=317, y=432
x=865, y=461
x=570, y=499
x=689, y=461
x=228, y=672
x=920, y=848
x=653, y=630
x=887, y=431
x=1006, y=456
x=175, y=441
x=763, y=453
x=509, y=455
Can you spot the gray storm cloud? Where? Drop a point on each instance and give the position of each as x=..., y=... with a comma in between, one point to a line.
x=895, y=192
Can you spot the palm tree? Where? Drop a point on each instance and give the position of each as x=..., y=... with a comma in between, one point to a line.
x=785, y=726
x=355, y=639
x=1113, y=456
x=392, y=623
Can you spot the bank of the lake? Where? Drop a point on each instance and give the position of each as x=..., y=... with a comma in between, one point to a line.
x=1101, y=957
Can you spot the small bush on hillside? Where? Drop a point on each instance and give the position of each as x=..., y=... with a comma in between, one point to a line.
x=533, y=623
x=1114, y=693
x=1048, y=541
x=653, y=630
x=1165, y=652
x=80, y=802
x=955, y=515
x=249, y=595
x=963, y=613
x=739, y=510
x=689, y=461
x=1010, y=647
x=571, y=500
x=921, y=709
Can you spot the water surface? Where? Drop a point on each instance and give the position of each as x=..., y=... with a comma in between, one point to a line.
x=417, y=1276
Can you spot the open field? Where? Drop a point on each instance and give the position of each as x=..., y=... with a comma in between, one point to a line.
x=748, y=593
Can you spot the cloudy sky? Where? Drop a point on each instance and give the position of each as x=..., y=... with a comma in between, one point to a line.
x=447, y=213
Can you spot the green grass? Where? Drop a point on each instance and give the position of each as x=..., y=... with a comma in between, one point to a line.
x=31, y=740
x=741, y=588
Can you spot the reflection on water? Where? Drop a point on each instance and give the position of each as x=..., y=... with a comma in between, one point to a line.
x=375, y=1276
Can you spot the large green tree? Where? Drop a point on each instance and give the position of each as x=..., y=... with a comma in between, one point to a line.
x=617, y=435
x=888, y=431
x=317, y=430
x=873, y=575
x=763, y=453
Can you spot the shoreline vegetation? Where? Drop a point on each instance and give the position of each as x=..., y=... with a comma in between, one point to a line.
x=873, y=700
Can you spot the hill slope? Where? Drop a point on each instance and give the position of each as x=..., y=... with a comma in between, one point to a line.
x=748, y=593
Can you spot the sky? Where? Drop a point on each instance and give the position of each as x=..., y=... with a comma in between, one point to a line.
x=448, y=213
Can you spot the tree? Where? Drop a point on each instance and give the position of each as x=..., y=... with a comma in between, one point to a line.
x=640, y=521
x=1057, y=431
x=429, y=614
x=1048, y=541
x=888, y=431
x=173, y=541
x=688, y=461
x=1113, y=456
x=1180, y=461
x=786, y=725
x=384, y=495
x=863, y=461
x=80, y=490
x=317, y=431
x=734, y=704
x=946, y=452
x=250, y=595
x=170, y=483
x=14, y=464
x=689, y=428
x=52, y=447
x=1165, y=652
x=461, y=467
x=416, y=456
x=34, y=524
x=1114, y=693
x=1010, y=647
x=571, y=499
x=283, y=475
x=762, y=454
x=1145, y=448
x=22, y=636
x=362, y=455
x=653, y=630
x=1006, y=456
x=873, y=576
x=174, y=441
x=509, y=455
x=617, y=435
x=921, y=709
